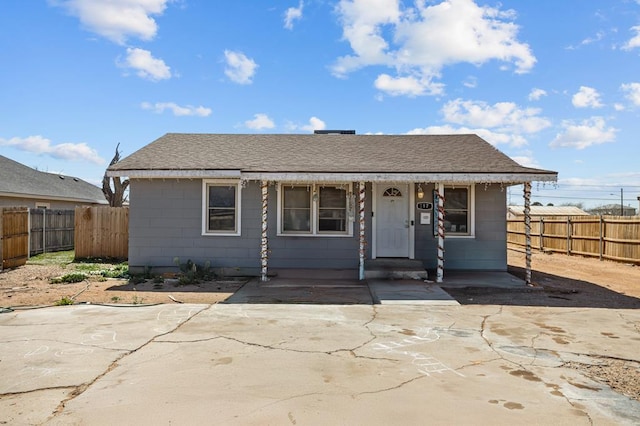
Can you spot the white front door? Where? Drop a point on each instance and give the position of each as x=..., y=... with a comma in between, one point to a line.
x=392, y=220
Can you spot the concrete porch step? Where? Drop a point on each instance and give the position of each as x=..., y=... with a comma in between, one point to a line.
x=396, y=269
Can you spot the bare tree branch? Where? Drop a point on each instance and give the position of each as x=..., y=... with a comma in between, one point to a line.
x=116, y=194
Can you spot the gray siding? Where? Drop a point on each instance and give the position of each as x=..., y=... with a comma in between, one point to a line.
x=487, y=251
x=166, y=220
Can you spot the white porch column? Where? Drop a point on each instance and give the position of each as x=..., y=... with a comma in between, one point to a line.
x=527, y=231
x=440, y=271
x=264, y=243
x=361, y=189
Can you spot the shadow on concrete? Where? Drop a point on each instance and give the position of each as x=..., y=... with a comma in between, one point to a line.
x=547, y=290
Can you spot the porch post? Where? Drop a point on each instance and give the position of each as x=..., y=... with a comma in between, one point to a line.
x=440, y=271
x=527, y=231
x=361, y=188
x=264, y=243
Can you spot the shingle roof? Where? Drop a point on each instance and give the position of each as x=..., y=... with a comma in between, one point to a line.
x=22, y=181
x=549, y=211
x=320, y=153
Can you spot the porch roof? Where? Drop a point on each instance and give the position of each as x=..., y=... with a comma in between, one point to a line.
x=327, y=157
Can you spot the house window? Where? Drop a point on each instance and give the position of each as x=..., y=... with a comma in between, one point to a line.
x=332, y=210
x=296, y=211
x=221, y=208
x=458, y=211
x=314, y=210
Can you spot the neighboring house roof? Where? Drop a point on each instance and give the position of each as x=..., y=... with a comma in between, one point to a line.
x=18, y=180
x=311, y=156
x=548, y=211
x=613, y=209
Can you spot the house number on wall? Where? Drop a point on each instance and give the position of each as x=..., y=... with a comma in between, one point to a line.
x=424, y=206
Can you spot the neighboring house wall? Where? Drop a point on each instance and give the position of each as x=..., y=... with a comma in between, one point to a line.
x=38, y=202
x=166, y=223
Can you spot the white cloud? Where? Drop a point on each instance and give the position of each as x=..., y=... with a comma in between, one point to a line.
x=526, y=159
x=632, y=92
x=240, y=69
x=586, y=97
x=494, y=138
x=314, y=124
x=536, y=94
x=65, y=151
x=502, y=116
x=633, y=41
x=146, y=65
x=406, y=86
x=259, y=122
x=418, y=42
x=117, y=20
x=592, y=131
x=470, y=82
x=179, y=111
x=292, y=14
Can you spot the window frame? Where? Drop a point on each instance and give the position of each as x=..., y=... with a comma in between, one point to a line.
x=471, y=208
x=314, y=194
x=206, y=183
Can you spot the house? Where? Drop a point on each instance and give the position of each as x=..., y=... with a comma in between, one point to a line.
x=613, y=210
x=333, y=200
x=21, y=185
x=517, y=212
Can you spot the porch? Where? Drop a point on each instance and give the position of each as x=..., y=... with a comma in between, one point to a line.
x=340, y=287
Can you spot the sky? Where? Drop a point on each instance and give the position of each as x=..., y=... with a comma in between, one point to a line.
x=554, y=84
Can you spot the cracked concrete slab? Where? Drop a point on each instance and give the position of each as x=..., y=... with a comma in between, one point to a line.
x=244, y=364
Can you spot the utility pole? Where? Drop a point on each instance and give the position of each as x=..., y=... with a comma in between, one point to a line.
x=621, y=202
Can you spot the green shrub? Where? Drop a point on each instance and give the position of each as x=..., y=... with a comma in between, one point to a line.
x=74, y=277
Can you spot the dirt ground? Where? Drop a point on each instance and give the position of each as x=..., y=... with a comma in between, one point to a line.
x=30, y=285
x=558, y=280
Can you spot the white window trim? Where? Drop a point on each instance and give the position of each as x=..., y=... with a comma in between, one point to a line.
x=471, y=211
x=314, y=212
x=205, y=207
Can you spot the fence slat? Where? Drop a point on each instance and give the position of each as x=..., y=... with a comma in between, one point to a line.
x=14, y=236
x=607, y=237
x=102, y=232
x=51, y=230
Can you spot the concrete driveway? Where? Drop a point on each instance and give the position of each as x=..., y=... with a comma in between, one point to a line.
x=254, y=364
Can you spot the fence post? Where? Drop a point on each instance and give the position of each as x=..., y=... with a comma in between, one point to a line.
x=29, y=225
x=601, y=245
x=44, y=230
x=568, y=235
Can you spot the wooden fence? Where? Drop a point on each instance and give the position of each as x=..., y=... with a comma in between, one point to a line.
x=102, y=232
x=51, y=230
x=606, y=237
x=14, y=236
